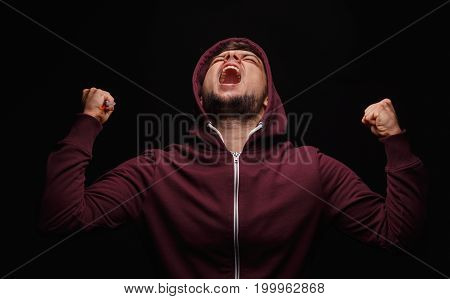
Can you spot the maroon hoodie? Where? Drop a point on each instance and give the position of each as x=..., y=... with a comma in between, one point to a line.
x=212, y=213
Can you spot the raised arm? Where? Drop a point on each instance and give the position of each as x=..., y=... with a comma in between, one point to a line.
x=396, y=218
x=114, y=198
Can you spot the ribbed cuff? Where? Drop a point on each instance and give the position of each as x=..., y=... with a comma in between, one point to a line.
x=84, y=131
x=398, y=151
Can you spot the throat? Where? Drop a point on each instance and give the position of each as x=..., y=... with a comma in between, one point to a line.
x=235, y=133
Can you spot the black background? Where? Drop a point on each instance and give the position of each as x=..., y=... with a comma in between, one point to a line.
x=156, y=45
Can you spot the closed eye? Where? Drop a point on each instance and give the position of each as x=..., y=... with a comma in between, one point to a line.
x=252, y=59
x=217, y=59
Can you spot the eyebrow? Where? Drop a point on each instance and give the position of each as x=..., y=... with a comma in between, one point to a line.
x=243, y=55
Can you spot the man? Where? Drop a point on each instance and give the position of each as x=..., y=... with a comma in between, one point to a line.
x=239, y=201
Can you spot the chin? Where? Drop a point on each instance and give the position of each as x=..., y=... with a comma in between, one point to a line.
x=226, y=93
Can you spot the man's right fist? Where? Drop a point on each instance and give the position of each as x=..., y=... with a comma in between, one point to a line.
x=97, y=103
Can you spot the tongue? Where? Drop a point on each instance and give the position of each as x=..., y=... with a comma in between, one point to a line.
x=231, y=77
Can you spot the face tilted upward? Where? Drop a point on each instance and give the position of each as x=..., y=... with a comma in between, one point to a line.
x=235, y=73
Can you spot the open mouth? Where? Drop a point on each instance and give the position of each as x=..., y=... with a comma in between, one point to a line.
x=230, y=75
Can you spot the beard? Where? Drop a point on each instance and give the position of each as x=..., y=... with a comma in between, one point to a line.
x=242, y=106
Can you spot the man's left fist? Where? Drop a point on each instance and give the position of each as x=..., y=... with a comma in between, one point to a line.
x=381, y=119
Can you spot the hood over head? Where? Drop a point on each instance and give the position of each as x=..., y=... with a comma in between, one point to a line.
x=274, y=119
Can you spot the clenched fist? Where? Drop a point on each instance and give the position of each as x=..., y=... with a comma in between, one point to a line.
x=381, y=119
x=97, y=103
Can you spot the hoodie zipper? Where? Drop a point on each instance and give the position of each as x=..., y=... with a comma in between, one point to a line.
x=236, y=155
x=236, y=214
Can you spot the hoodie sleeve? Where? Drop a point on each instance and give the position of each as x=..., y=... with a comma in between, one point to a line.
x=114, y=198
x=394, y=219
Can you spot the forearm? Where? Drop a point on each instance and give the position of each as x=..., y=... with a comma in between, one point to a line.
x=65, y=178
x=406, y=189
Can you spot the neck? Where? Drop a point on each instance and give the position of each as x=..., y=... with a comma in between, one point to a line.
x=235, y=131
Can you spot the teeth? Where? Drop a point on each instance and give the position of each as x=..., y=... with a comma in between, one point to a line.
x=230, y=67
x=223, y=75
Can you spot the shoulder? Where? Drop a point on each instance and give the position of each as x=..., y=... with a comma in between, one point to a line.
x=308, y=154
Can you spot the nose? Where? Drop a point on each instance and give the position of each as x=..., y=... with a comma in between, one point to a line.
x=232, y=56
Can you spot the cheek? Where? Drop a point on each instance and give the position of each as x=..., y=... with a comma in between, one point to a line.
x=208, y=82
x=256, y=79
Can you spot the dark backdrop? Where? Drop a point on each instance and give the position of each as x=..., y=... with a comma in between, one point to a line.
x=156, y=45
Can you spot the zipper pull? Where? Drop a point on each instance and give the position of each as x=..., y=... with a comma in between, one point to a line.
x=236, y=156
